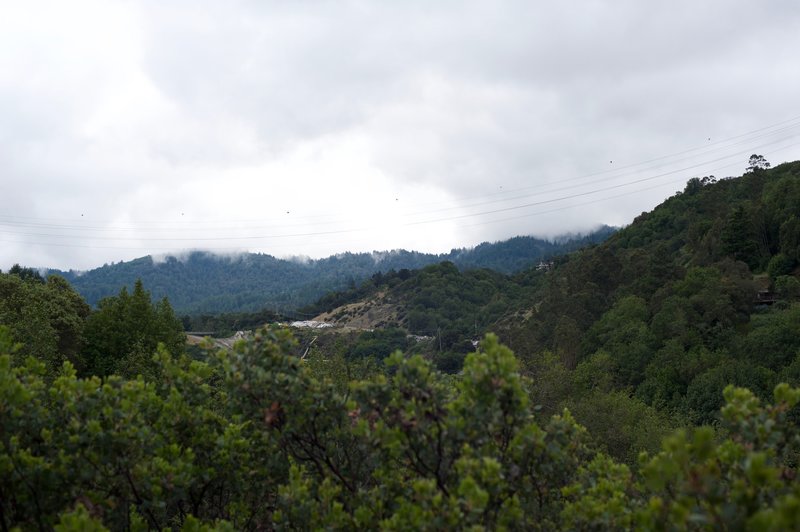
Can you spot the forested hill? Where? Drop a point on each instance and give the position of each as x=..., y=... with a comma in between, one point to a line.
x=206, y=283
x=699, y=293
x=617, y=344
x=737, y=236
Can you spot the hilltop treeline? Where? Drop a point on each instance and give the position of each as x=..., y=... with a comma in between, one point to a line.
x=203, y=283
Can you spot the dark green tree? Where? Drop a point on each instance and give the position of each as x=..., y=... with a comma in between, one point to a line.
x=122, y=335
x=26, y=274
x=623, y=332
x=757, y=163
x=790, y=238
x=739, y=237
x=46, y=317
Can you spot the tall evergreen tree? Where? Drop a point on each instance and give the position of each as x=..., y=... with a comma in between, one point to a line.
x=124, y=333
x=739, y=239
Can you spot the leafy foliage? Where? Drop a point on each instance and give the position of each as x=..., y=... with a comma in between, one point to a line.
x=224, y=325
x=124, y=332
x=49, y=316
x=379, y=343
x=251, y=439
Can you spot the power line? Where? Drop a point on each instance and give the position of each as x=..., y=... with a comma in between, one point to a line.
x=362, y=229
x=218, y=225
x=553, y=200
x=202, y=239
x=591, y=202
x=345, y=231
x=423, y=222
x=544, y=190
x=634, y=165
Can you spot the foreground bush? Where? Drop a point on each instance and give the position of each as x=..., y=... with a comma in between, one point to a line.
x=249, y=439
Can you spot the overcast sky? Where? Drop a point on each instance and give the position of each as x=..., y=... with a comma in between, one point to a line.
x=310, y=128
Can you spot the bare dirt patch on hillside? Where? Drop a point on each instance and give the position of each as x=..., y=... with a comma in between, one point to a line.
x=373, y=313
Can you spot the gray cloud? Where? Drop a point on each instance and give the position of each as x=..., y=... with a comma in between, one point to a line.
x=131, y=128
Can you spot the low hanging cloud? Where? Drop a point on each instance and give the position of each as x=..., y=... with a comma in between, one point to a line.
x=315, y=127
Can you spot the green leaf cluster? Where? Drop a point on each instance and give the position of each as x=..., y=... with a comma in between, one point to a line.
x=125, y=330
x=251, y=439
x=49, y=315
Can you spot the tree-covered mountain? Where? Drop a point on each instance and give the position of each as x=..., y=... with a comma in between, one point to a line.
x=206, y=283
x=699, y=293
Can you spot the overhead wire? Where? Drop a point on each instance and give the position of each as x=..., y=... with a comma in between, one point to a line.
x=545, y=190
x=330, y=232
x=591, y=202
x=15, y=223
x=562, y=198
x=796, y=124
x=793, y=122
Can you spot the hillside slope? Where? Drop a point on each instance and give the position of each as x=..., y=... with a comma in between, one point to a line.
x=725, y=232
x=438, y=300
x=699, y=293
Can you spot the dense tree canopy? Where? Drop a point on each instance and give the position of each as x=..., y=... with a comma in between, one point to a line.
x=695, y=295
x=700, y=293
x=49, y=315
x=125, y=330
x=251, y=439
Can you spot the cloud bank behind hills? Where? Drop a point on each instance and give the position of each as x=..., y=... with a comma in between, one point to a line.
x=311, y=128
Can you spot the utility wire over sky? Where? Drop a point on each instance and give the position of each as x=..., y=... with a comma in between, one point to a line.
x=172, y=235
x=780, y=139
